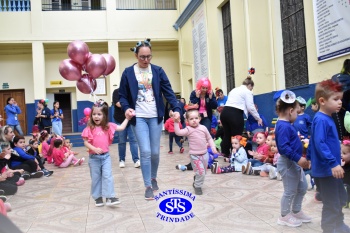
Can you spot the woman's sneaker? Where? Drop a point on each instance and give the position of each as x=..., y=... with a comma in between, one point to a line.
x=149, y=194
x=99, y=202
x=154, y=184
x=301, y=216
x=81, y=161
x=289, y=220
x=112, y=201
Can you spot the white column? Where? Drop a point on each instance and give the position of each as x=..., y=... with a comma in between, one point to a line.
x=38, y=57
x=114, y=78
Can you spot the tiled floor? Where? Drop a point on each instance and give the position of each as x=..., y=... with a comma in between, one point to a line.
x=231, y=202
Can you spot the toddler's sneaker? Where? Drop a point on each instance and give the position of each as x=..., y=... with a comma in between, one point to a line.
x=244, y=169
x=137, y=164
x=112, y=201
x=2, y=192
x=20, y=182
x=272, y=173
x=25, y=175
x=3, y=198
x=248, y=169
x=121, y=164
x=197, y=191
x=289, y=220
x=47, y=173
x=308, y=181
x=37, y=174
x=181, y=167
x=76, y=162
x=301, y=216
x=215, y=168
x=154, y=184
x=182, y=150
x=255, y=172
x=170, y=152
x=99, y=202
x=81, y=161
x=149, y=194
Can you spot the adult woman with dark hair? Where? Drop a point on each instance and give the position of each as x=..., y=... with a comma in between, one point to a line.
x=344, y=78
x=12, y=110
x=239, y=101
x=57, y=116
x=141, y=91
x=204, y=98
x=44, y=116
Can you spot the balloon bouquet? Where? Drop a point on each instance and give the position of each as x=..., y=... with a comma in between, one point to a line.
x=85, y=67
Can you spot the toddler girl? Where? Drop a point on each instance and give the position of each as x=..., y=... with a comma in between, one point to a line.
x=198, y=137
x=67, y=147
x=44, y=138
x=238, y=157
x=62, y=158
x=97, y=136
x=290, y=162
x=259, y=155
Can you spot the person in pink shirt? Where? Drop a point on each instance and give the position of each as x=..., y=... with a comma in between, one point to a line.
x=98, y=136
x=260, y=155
x=169, y=126
x=198, y=137
x=61, y=158
x=44, y=137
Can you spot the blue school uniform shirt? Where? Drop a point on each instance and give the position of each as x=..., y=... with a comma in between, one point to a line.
x=324, y=146
x=302, y=124
x=222, y=102
x=287, y=141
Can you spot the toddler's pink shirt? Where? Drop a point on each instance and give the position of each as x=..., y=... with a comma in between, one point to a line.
x=100, y=138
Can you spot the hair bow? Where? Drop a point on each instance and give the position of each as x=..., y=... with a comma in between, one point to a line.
x=346, y=142
x=99, y=103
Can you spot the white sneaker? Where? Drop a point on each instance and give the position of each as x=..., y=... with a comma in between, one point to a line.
x=272, y=173
x=289, y=220
x=308, y=181
x=121, y=164
x=279, y=177
x=137, y=164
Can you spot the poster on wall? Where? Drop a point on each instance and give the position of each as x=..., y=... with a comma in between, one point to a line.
x=199, y=37
x=332, y=23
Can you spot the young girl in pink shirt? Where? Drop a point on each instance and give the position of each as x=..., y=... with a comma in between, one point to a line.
x=44, y=137
x=97, y=136
x=61, y=158
x=259, y=156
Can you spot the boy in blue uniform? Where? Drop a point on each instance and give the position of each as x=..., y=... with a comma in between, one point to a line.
x=303, y=121
x=325, y=157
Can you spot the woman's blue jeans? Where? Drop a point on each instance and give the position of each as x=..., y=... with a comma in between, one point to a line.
x=57, y=127
x=17, y=128
x=148, y=132
x=122, y=138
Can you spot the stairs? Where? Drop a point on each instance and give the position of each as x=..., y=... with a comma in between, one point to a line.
x=78, y=141
x=66, y=121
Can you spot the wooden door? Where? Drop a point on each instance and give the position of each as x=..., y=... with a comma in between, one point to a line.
x=19, y=97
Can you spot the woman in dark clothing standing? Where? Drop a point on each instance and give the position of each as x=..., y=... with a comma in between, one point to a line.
x=239, y=102
x=44, y=116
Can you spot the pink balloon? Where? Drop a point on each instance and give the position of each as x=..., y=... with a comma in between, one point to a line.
x=96, y=65
x=110, y=64
x=78, y=51
x=87, y=111
x=70, y=70
x=86, y=84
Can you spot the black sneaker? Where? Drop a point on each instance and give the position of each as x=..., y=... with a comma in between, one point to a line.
x=99, y=202
x=154, y=185
x=25, y=175
x=37, y=174
x=149, y=194
x=215, y=168
x=256, y=172
x=2, y=192
x=3, y=198
x=47, y=173
x=112, y=201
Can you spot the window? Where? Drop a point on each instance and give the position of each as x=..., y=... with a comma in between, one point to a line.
x=227, y=29
x=294, y=43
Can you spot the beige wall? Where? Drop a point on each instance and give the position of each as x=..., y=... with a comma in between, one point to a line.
x=257, y=42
